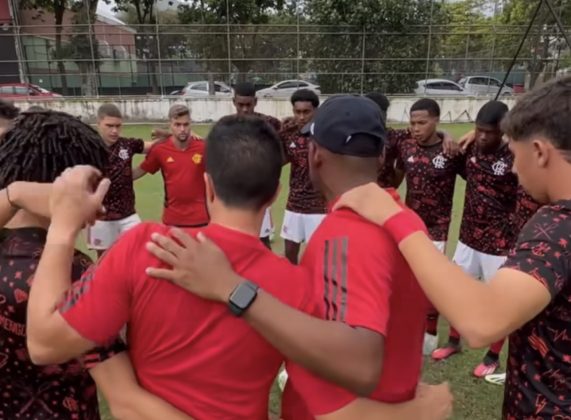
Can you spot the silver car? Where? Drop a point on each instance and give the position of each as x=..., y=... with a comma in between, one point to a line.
x=435, y=87
x=286, y=88
x=199, y=89
x=484, y=85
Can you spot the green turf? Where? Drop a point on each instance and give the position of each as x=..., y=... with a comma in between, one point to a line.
x=474, y=400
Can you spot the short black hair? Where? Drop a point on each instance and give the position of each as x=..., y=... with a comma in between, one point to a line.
x=41, y=145
x=544, y=111
x=305, y=95
x=380, y=99
x=108, y=110
x=244, y=160
x=8, y=111
x=492, y=113
x=245, y=89
x=428, y=105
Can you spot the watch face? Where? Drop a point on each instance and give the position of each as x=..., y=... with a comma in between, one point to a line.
x=242, y=296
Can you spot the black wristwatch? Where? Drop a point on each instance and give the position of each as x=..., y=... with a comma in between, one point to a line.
x=242, y=297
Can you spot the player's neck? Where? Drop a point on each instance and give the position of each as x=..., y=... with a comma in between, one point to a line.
x=559, y=188
x=23, y=219
x=181, y=145
x=346, y=183
x=434, y=139
x=244, y=221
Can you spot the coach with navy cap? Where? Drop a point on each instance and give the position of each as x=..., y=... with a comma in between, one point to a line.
x=368, y=326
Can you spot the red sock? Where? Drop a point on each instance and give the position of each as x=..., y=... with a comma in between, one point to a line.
x=432, y=322
x=496, y=348
x=454, y=337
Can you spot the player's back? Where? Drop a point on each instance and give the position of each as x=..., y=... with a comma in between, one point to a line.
x=366, y=283
x=194, y=353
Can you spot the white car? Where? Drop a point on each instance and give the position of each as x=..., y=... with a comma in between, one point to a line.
x=286, y=88
x=432, y=87
x=200, y=89
x=484, y=85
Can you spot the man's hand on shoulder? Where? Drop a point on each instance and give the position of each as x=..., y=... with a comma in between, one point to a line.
x=197, y=265
x=371, y=202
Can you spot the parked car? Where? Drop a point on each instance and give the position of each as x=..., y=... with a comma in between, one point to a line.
x=201, y=89
x=286, y=88
x=25, y=90
x=432, y=87
x=484, y=85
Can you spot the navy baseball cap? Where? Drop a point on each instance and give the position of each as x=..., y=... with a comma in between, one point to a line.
x=348, y=125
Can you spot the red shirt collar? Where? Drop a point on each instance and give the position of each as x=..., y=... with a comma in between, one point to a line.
x=394, y=194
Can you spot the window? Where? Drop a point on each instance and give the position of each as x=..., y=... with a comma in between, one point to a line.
x=7, y=90
x=494, y=82
x=302, y=85
x=105, y=50
x=450, y=86
x=200, y=86
x=21, y=90
x=288, y=85
x=221, y=88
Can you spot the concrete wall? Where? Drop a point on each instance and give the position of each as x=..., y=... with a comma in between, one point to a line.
x=143, y=109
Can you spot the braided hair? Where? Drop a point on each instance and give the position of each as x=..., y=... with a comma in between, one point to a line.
x=41, y=145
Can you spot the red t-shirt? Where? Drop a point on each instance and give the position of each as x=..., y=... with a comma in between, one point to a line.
x=365, y=282
x=191, y=352
x=183, y=175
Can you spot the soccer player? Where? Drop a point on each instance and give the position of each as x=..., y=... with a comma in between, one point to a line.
x=7, y=114
x=305, y=208
x=430, y=181
x=387, y=176
x=195, y=354
x=374, y=345
x=529, y=298
x=245, y=102
x=119, y=202
x=181, y=161
x=38, y=148
x=486, y=234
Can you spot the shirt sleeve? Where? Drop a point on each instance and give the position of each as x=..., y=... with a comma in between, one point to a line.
x=152, y=162
x=137, y=146
x=542, y=250
x=101, y=354
x=357, y=280
x=98, y=305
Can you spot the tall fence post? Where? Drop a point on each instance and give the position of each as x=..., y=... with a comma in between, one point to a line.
x=363, y=56
x=298, y=55
x=161, y=87
x=429, y=43
x=228, y=40
x=92, y=80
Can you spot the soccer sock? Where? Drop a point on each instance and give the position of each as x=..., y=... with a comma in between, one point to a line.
x=432, y=323
x=454, y=337
x=494, y=353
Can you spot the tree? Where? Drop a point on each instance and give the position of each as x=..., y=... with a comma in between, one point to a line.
x=249, y=38
x=372, y=44
x=542, y=46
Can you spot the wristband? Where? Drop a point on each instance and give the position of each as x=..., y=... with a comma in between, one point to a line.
x=403, y=224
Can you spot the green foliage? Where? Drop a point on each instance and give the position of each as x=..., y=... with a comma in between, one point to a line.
x=396, y=41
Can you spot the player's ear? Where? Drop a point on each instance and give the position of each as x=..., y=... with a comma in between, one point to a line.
x=209, y=186
x=542, y=151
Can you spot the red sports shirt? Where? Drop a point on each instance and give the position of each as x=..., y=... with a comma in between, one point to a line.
x=365, y=282
x=183, y=175
x=191, y=352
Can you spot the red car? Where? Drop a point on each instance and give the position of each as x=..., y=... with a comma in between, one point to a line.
x=25, y=90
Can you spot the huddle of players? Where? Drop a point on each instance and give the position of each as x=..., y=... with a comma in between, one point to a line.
x=341, y=156
x=495, y=208
x=179, y=155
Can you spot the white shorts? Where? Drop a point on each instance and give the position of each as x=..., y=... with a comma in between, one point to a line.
x=440, y=245
x=299, y=227
x=267, y=225
x=105, y=233
x=476, y=263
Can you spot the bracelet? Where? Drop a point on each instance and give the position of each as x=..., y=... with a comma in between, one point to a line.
x=403, y=224
x=15, y=207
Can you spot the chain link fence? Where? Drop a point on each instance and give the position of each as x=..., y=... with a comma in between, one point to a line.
x=108, y=57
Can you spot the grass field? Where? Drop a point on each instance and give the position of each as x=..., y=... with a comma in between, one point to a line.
x=474, y=399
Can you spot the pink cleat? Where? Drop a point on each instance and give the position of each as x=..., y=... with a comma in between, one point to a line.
x=444, y=353
x=486, y=368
